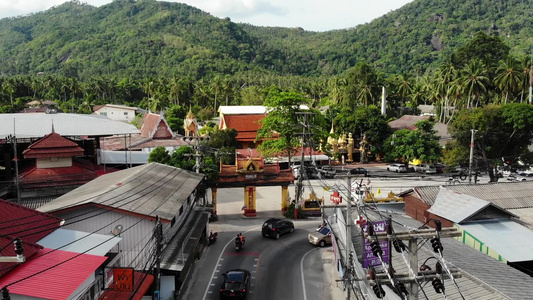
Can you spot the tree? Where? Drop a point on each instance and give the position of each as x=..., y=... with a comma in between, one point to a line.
x=501, y=131
x=489, y=49
x=367, y=121
x=159, y=155
x=508, y=77
x=406, y=145
x=279, y=127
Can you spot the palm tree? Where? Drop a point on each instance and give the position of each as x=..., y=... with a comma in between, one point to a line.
x=508, y=77
x=475, y=79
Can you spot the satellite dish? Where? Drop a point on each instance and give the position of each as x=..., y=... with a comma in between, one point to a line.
x=117, y=230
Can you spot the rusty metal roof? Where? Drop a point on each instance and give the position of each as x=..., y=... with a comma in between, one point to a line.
x=507, y=195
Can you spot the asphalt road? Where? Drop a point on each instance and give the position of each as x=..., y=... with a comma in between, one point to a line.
x=288, y=268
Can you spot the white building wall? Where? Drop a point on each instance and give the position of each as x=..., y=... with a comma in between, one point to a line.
x=54, y=162
x=117, y=113
x=136, y=234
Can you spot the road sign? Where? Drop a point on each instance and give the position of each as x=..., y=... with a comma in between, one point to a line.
x=335, y=198
x=369, y=259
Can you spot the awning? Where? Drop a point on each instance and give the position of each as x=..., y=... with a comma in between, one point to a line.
x=79, y=241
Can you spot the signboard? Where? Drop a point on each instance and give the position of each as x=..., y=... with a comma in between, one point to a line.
x=123, y=279
x=369, y=260
x=335, y=198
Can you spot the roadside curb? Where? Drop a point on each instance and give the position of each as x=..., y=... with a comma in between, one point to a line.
x=333, y=288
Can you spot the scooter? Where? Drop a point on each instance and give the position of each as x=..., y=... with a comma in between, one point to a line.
x=212, y=238
x=238, y=245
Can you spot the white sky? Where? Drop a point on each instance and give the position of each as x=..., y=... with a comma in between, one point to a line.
x=315, y=15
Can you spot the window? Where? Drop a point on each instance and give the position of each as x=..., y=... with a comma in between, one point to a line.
x=125, y=113
x=181, y=210
x=103, y=114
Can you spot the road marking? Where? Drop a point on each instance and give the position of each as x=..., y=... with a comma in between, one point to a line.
x=302, y=271
x=241, y=253
x=219, y=259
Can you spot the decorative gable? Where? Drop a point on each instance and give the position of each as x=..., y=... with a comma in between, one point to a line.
x=155, y=127
x=53, y=145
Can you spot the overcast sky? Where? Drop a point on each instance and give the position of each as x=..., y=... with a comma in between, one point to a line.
x=315, y=15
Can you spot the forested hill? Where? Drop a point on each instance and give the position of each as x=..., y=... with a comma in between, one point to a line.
x=150, y=38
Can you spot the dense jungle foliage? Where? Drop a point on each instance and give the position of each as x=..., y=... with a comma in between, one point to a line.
x=169, y=56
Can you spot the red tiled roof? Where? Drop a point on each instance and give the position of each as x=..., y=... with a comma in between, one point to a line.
x=155, y=127
x=59, y=282
x=142, y=283
x=53, y=145
x=246, y=125
x=73, y=175
x=97, y=107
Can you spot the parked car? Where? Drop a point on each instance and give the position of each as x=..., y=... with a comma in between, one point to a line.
x=361, y=171
x=398, y=168
x=426, y=169
x=312, y=172
x=440, y=168
x=320, y=238
x=516, y=178
x=327, y=171
x=275, y=227
x=235, y=284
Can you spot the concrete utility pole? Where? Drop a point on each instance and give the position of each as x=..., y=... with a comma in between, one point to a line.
x=13, y=140
x=158, y=231
x=473, y=131
x=348, y=271
x=303, y=172
x=196, y=146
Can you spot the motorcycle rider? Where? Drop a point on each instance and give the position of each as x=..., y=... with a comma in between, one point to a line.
x=240, y=239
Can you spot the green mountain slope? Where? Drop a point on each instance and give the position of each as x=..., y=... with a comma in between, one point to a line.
x=151, y=38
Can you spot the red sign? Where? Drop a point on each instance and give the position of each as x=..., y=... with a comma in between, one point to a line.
x=123, y=279
x=361, y=222
x=335, y=198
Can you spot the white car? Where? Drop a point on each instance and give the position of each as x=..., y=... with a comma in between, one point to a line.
x=398, y=168
x=516, y=178
x=426, y=168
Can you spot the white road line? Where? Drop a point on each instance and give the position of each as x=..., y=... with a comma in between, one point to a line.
x=218, y=265
x=302, y=271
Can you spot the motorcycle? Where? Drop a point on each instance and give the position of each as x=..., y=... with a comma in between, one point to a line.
x=238, y=244
x=212, y=238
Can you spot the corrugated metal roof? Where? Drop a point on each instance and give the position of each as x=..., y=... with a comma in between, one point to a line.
x=509, y=239
x=483, y=277
x=39, y=125
x=31, y=225
x=79, y=241
x=151, y=189
x=456, y=207
x=507, y=195
x=59, y=282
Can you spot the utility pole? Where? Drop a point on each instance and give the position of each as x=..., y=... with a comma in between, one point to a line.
x=473, y=131
x=197, y=154
x=347, y=260
x=303, y=172
x=13, y=140
x=159, y=245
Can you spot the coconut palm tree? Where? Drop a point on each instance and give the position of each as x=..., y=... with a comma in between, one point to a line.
x=508, y=77
x=475, y=80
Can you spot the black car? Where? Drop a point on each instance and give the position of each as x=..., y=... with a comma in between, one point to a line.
x=360, y=171
x=235, y=284
x=275, y=227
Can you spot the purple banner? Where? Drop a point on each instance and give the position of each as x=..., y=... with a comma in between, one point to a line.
x=369, y=259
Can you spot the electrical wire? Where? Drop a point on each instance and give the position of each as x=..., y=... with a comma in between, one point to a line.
x=76, y=203
x=104, y=209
